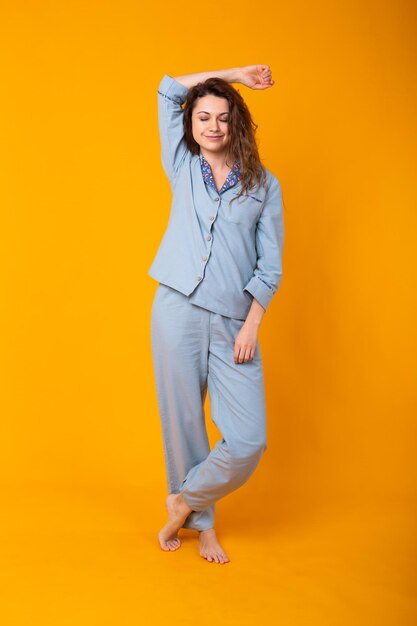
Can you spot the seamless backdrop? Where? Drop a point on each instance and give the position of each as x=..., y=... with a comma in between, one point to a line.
x=324, y=532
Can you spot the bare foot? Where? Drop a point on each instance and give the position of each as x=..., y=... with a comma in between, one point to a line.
x=178, y=511
x=210, y=548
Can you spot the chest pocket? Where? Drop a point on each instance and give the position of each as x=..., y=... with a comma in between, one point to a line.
x=244, y=210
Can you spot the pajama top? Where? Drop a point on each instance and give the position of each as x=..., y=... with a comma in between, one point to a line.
x=219, y=254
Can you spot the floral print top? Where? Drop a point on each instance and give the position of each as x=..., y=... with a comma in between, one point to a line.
x=232, y=178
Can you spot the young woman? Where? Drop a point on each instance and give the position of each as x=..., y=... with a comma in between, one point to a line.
x=218, y=266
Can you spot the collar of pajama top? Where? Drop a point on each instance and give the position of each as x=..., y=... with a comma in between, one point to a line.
x=233, y=176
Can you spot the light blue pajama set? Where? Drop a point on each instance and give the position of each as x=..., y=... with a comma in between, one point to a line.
x=214, y=258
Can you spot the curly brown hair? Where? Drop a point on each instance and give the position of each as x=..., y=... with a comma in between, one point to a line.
x=242, y=129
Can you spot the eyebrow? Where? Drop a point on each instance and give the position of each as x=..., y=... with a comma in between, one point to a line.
x=223, y=113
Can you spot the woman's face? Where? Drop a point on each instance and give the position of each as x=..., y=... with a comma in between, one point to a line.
x=210, y=123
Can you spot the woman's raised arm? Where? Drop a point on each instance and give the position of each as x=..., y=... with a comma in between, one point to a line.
x=253, y=76
x=171, y=96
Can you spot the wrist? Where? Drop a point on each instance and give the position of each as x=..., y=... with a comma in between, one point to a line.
x=236, y=75
x=253, y=321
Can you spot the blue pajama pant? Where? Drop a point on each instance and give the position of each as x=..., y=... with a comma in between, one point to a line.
x=192, y=351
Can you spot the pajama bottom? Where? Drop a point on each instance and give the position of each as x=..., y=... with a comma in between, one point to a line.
x=192, y=351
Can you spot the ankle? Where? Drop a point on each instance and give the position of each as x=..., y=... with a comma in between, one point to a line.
x=181, y=501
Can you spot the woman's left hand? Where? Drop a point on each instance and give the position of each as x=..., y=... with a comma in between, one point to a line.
x=245, y=343
x=256, y=76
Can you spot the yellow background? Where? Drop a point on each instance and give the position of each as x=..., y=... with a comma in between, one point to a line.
x=324, y=531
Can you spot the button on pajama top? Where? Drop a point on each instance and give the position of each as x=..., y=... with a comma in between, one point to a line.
x=214, y=258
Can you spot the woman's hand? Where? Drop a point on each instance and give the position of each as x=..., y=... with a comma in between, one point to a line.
x=256, y=76
x=245, y=342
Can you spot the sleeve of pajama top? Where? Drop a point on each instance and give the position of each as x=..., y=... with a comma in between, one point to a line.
x=269, y=237
x=171, y=95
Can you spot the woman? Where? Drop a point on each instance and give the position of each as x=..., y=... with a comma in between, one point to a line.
x=218, y=266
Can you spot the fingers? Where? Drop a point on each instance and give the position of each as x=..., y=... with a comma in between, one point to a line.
x=265, y=76
x=257, y=76
x=243, y=354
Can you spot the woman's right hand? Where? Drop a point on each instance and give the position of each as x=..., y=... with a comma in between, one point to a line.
x=256, y=76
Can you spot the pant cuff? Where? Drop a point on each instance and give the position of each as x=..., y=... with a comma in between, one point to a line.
x=188, y=499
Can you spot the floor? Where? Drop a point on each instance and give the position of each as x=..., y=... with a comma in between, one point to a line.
x=90, y=557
